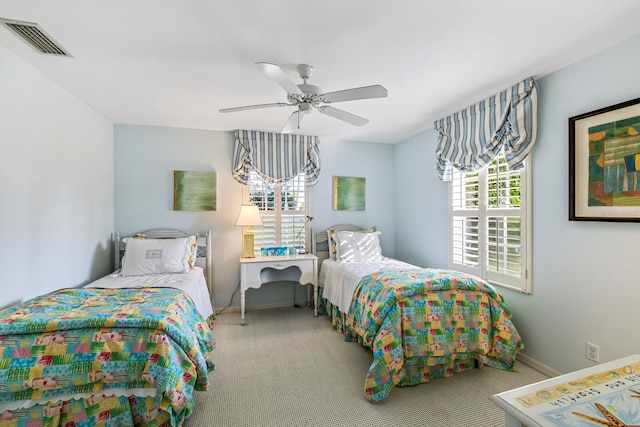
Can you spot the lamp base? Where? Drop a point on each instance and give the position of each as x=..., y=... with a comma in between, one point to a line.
x=247, y=245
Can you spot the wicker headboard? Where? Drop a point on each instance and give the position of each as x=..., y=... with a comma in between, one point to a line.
x=321, y=241
x=203, y=257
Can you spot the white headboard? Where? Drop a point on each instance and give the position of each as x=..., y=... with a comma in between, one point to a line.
x=203, y=257
x=321, y=241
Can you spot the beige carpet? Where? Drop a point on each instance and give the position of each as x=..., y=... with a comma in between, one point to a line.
x=287, y=368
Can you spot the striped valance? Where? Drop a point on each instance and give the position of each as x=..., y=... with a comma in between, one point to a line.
x=276, y=157
x=473, y=137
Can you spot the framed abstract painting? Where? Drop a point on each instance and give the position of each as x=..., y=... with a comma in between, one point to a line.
x=604, y=164
x=348, y=193
x=194, y=191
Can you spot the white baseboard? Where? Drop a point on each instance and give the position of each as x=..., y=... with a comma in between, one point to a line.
x=540, y=367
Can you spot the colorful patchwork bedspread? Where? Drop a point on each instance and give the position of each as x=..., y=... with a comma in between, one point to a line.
x=85, y=342
x=423, y=323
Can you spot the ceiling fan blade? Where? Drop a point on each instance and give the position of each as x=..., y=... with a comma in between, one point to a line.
x=343, y=115
x=276, y=74
x=253, y=107
x=365, y=92
x=293, y=124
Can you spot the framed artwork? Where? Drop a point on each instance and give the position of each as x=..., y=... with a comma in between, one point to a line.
x=604, y=164
x=348, y=193
x=194, y=191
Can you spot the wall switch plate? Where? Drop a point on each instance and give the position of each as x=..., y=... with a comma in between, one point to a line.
x=593, y=352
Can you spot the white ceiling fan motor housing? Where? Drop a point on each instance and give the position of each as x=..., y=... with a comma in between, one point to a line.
x=310, y=89
x=311, y=92
x=310, y=96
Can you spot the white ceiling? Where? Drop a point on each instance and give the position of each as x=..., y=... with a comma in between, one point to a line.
x=176, y=63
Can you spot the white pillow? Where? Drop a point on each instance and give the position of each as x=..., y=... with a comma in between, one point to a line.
x=154, y=256
x=358, y=247
x=333, y=249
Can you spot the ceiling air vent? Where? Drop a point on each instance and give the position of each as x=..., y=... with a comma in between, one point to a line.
x=35, y=36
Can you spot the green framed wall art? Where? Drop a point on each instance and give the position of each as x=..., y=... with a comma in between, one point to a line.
x=194, y=191
x=348, y=193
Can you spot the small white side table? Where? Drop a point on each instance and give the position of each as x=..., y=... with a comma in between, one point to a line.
x=254, y=272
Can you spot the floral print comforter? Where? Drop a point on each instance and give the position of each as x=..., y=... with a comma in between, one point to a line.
x=92, y=343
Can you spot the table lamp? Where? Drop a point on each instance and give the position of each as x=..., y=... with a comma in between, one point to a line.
x=249, y=216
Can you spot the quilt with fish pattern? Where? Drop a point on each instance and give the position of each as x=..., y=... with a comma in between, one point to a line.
x=76, y=353
x=427, y=323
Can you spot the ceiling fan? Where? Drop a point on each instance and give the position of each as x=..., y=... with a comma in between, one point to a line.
x=307, y=97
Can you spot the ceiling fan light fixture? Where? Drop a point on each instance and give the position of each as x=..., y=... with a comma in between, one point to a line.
x=304, y=107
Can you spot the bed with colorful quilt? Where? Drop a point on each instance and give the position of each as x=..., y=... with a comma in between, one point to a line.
x=111, y=355
x=420, y=323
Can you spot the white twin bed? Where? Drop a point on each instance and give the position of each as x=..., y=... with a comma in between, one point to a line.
x=129, y=349
x=196, y=282
x=341, y=271
x=420, y=323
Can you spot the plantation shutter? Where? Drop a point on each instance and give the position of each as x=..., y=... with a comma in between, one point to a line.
x=465, y=223
x=490, y=224
x=284, y=211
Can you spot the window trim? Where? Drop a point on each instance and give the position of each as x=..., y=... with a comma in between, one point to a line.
x=523, y=284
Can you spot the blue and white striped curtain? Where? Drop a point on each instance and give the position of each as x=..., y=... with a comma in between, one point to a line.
x=470, y=139
x=276, y=157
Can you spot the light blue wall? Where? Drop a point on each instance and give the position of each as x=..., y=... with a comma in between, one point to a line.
x=56, y=185
x=421, y=221
x=375, y=163
x=145, y=158
x=585, y=279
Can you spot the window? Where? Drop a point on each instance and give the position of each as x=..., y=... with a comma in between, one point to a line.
x=284, y=209
x=490, y=224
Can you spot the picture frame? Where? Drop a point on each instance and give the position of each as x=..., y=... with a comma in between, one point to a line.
x=194, y=191
x=349, y=193
x=604, y=164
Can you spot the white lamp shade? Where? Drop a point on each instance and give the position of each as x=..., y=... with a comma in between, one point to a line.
x=249, y=216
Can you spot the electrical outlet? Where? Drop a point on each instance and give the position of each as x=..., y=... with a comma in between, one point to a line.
x=593, y=352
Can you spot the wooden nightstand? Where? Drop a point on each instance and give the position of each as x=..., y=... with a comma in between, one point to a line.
x=264, y=269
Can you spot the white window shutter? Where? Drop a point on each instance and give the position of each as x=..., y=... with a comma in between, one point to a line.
x=465, y=221
x=284, y=209
x=490, y=230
